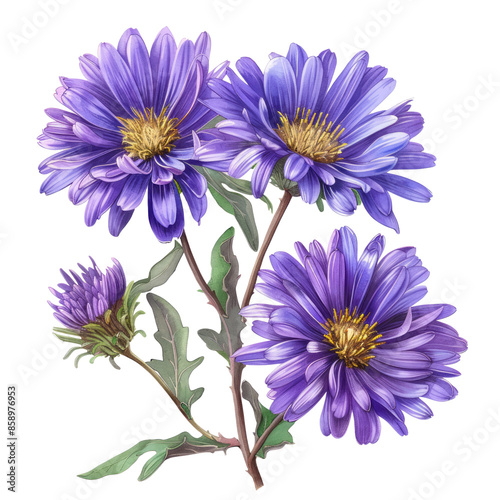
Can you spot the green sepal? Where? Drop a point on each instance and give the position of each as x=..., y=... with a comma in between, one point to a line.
x=358, y=198
x=137, y=314
x=66, y=331
x=80, y=356
x=128, y=302
x=212, y=123
x=71, y=351
x=320, y=204
x=72, y=340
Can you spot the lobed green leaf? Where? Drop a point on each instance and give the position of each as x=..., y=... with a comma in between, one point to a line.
x=174, y=368
x=280, y=436
x=181, y=445
x=223, y=281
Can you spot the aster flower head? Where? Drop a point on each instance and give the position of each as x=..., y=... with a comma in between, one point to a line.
x=95, y=311
x=130, y=131
x=346, y=329
x=306, y=131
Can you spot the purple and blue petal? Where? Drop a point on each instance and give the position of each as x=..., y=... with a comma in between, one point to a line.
x=410, y=360
x=118, y=84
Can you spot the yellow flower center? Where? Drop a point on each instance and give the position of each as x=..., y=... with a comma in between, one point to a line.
x=352, y=338
x=312, y=137
x=149, y=134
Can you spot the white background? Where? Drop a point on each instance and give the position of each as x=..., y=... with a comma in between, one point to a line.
x=441, y=54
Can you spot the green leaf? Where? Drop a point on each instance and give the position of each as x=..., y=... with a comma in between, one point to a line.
x=181, y=445
x=160, y=272
x=244, y=187
x=214, y=341
x=174, y=368
x=72, y=340
x=280, y=436
x=220, y=267
x=252, y=396
x=233, y=202
x=225, y=274
x=221, y=201
x=358, y=198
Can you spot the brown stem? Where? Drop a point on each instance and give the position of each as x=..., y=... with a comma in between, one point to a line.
x=253, y=470
x=260, y=442
x=210, y=294
x=285, y=201
x=236, y=368
x=129, y=354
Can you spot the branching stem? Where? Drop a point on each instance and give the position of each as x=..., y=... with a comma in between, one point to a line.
x=237, y=368
x=260, y=442
x=129, y=354
x=280, y=211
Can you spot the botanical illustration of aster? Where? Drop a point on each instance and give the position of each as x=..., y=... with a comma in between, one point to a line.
x=302, y=129
x=343, y=328
x=129, y=131
x=347, y=327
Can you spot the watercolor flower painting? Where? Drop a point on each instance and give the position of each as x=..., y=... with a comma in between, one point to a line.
x=339, y=332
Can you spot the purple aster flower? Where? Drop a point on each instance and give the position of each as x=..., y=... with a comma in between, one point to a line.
x=130, y=131
x=298, y=126
x=95, y=310
x=84, y=298
x=348, y=328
